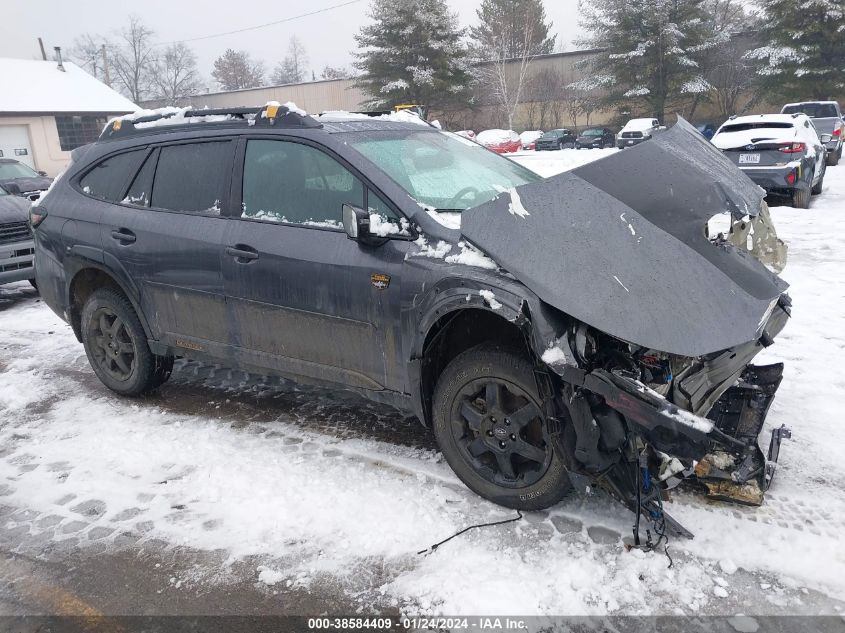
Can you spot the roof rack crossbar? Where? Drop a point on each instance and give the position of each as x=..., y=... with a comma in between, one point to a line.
x=268, y=114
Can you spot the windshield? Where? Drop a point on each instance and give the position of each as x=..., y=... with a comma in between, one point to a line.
x=593, y=132
x=554, y=133
x=9, y=171
x=813, y=110
x=441, y=170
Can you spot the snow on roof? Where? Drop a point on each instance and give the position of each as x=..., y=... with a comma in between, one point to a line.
x=39, y=86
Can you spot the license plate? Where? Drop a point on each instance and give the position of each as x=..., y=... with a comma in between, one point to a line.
x=630, y=142
x=749, y=159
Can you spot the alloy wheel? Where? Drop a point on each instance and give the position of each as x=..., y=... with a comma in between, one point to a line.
x=501, y=431
x=112, y=347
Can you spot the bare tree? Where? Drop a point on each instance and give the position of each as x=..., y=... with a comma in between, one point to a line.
x=507, y=80
x=133, y=59
x=87, y=52
x=291, y=70
x=235, y=70
x=176, y=73
x=334, y=72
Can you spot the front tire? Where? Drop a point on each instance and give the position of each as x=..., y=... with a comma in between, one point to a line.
x=492, y=427
x=116, y=344
x=819, y=186
x=833, y=158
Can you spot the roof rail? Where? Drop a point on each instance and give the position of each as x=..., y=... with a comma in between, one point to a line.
x=269, y=115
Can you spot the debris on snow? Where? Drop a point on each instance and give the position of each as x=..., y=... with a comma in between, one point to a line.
x=515, y=207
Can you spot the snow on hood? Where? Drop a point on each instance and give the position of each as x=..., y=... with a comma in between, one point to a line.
x=529, y=136
x=494, y=137
x=638, y=125
x=726, y=139
x=619, y=244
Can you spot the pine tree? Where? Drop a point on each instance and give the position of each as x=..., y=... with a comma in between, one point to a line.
x=805, y=54
x=503, y=25
x=653, y=52
x=412, y=53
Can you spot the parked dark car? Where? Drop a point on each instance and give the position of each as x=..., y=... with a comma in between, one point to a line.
x=707, y=129
x=328, y=250
x=16, y=245
x=782, y=153
x=556, y=139
x=827, y=118
x=22, y=180
x=600, y=137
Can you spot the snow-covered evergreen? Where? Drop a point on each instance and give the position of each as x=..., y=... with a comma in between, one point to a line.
x=654, y=50
x=804, y=55
x=412, y=53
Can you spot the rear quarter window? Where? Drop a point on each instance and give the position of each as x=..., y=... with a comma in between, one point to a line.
x=108, y=179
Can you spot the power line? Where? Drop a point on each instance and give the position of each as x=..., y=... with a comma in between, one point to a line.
x=261, y=26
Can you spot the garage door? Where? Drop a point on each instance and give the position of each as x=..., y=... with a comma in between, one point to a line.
x=14, y=143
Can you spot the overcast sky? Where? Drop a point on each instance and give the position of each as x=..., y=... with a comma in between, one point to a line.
x=328, y=37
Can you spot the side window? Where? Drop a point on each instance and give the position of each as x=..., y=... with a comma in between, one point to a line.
x=191, y=177
x=142, y=186
x=297, y=184
x=109, y=178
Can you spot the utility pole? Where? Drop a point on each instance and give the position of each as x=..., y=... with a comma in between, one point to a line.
x=105, y=66
x=43, y=52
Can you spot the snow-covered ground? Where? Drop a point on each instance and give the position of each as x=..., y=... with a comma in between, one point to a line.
x=314, y=490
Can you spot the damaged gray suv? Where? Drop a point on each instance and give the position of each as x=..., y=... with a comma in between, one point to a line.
x=552, y=332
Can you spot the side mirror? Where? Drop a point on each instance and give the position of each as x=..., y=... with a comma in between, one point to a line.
x=42, y=173
x=825, y=138
x=13, y=188
x=356, y=222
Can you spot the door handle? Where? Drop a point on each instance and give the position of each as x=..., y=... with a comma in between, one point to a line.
x=242, y=253
x=124, y=235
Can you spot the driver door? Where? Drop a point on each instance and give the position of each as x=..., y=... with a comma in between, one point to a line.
x=306, y=299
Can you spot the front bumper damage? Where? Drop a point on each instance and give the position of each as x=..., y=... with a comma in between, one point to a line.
x=718, y=448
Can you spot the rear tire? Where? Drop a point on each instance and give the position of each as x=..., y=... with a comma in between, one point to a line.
x=116, y=345
x=491, y=425
x=801, y=198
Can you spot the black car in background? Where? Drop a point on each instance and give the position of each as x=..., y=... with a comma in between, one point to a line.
x=599, y=137
x=22, y=180
x=556, y=139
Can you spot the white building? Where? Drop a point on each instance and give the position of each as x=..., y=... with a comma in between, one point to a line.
x=47, y=111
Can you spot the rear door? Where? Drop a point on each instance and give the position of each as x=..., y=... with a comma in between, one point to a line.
x=308, y=300
x=167, y=232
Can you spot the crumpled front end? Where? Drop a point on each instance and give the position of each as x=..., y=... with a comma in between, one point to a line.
x=655, y=381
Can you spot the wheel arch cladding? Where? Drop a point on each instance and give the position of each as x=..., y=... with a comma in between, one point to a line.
x=84, y=282
x=458, y=330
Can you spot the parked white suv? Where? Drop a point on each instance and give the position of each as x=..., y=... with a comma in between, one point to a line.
x=636, y=131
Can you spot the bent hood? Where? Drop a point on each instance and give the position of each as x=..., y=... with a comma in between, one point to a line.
x=620, y=244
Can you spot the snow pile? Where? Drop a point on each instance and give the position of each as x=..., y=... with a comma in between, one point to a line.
x=638, y=125
x=382, y=227
x=403, y=116
x=471, y=256
x=530, y=136
x=290, y=105
x=554, y=355
x=438, y=251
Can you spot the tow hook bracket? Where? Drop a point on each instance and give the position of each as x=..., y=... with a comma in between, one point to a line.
x=778, y=434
